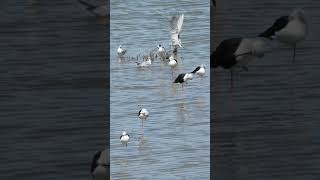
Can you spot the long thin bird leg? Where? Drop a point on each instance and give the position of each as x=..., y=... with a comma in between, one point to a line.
x=294, y=53
x=231, y=78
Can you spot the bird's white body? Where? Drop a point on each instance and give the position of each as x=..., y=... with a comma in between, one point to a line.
x=296, y=29
x=121, y=51
x=187, y=77
x=146, y=63
x=124, y=138
x=172, y=62
x=161, y=51
x=251, y=48
x=201, y=71
x=143, y=114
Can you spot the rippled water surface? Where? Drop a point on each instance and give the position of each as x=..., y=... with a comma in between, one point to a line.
x=174, y=142
x=53, y=89
x=267, y=126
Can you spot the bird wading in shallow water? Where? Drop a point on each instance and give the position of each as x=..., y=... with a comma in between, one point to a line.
x=143, y=114
x=120, y=51
x=161, y=52
x=184, y=78
x=124, y=138
x=289, y=30
x=236, y=53
x=172, y=63
x=144, y=64
x=200, y=70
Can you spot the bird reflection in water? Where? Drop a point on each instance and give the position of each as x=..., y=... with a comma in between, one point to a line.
x=142, y=142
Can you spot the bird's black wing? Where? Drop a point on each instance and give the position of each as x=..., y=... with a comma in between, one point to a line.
x=179, y=79
x=94, y=163
x=224, y=54
x=279, y=24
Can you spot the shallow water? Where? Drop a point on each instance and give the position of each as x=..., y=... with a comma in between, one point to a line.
x=174, y=142
x=267, y=126
x=53, y=92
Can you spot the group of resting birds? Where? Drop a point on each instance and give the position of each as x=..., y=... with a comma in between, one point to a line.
x=171, y=59
x=236, y=53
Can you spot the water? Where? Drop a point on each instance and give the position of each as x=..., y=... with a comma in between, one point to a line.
x=267, y=127
x=175, y=140
x=53, y=93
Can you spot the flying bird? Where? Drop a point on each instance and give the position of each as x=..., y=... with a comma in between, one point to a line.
x=175, y=29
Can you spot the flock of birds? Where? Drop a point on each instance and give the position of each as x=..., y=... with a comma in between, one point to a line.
x=169, y=58
x=235, y=54
x=100, y=161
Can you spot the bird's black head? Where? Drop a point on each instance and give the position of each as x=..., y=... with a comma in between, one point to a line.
x=195, y=70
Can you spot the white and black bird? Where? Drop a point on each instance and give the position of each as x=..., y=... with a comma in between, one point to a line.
x=95, y=9
x=237, y=53
x=174, y=53
x=145, y=63
x=120, y=51
x=161, y=52
x=124, y=138
x=172, y=63
x=175, y=29
x=200, y=70
x=100, y=165
x=143, y=114
x=289, y=30
x=183, y=78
